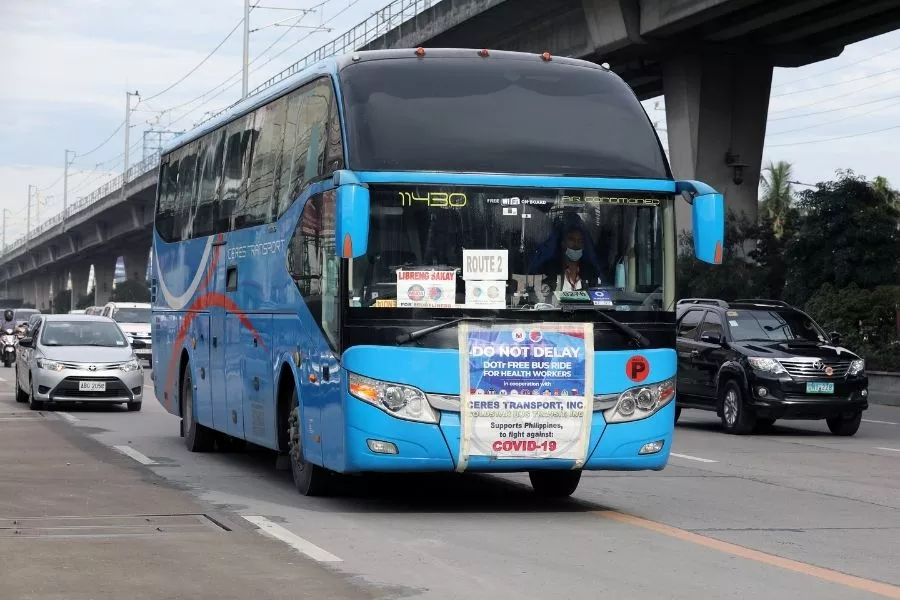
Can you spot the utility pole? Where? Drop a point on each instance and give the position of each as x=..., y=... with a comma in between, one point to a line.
x=66, y=187
x=28, y=220
x=4, y=231
x=246, y=72
x=128, y=96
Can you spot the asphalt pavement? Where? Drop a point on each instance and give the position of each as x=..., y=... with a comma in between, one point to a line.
x=794, y=513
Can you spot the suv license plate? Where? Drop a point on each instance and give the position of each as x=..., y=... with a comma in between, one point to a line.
x=91, y=386
x=818, y=387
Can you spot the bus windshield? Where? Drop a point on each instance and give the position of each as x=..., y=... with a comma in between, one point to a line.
x=496, y=115
x=440, y=247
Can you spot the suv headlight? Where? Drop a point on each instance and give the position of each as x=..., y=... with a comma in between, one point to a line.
x=857, y=367
x=397, y=400
x=641, y=402
x=767, y=365
x=50, y=365
x=131, y=365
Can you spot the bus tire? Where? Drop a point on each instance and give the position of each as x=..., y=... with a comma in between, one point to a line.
x=310, y=479
x=197, y=438
x=554, y=484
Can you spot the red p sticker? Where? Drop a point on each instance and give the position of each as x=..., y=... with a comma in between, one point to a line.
x=637, y=368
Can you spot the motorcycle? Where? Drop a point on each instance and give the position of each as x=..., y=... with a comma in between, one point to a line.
x=8, y=343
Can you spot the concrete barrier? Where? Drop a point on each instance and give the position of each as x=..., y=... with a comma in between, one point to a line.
x=884, y=388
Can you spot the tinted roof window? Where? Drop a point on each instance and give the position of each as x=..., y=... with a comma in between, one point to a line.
x=496, y=116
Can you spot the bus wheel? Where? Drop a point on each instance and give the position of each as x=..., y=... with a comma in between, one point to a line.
x=197, y=438
x=554, y=484
x=310, y=479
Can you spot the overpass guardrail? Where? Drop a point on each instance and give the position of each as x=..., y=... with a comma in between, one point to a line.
x=377, y=24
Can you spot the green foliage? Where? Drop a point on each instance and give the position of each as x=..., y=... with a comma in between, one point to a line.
x=848, y=234
x=61, y=302
x=834, y=252
x=866, y=320
x=85, y=301
x=131, y=290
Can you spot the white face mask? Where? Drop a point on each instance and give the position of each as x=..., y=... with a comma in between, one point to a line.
x=573, y=255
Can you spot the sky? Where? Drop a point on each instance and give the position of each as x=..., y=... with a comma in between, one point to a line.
x=66, y=66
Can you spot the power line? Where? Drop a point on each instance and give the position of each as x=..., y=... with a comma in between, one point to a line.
x=104, y=142
x=236, y=74
x=831, y=110
x=844, y=95
x=844, y=66
x=202, y=62
x=868, y=112
x=834, y=139
x=837, y=83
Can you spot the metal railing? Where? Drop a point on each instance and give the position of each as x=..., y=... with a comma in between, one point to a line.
x=394, y=15
x=145, y=166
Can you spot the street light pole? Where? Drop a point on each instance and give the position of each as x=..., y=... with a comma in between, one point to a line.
x=66, y=188
x=128, y=96
x=246, y=62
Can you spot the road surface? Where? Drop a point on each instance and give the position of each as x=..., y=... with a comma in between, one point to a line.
x=795, y=513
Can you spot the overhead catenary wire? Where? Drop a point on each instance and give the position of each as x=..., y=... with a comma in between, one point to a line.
x=237, y=74
x=202, y=62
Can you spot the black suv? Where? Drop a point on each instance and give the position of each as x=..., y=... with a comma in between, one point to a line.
x=755, y=361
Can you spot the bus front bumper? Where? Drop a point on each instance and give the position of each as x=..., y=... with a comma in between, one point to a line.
x=435, y=447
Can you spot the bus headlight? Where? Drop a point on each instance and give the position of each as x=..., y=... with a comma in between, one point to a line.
x=402, y=401
x=641, y=402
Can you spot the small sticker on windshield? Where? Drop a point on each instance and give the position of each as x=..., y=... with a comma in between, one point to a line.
x=510, y=211
x=732, y=313
x=733, y=323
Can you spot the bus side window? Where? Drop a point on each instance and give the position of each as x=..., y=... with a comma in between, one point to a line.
x=208, y=185
x=305, y=137
x=234, y=175
x=313, y=265
x=268, y=122
x=165, y=206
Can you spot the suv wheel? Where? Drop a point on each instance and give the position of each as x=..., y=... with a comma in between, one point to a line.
x=842, y=425
x=735, y=418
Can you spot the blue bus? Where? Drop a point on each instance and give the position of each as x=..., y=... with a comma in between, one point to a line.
x=426, y=260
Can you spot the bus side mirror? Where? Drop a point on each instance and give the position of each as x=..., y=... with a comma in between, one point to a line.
x=708, y=215
x=352, y=219
x=709, y=227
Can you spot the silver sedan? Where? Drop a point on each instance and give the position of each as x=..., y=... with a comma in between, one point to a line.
x=78, y=358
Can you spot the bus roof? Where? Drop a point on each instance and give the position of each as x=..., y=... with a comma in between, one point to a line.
x=333, y=65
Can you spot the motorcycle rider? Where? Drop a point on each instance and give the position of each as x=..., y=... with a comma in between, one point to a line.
x=9, y=319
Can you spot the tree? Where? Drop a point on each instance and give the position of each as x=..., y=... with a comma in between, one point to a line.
x=131, y=290
x=62, y=302
x=732, y=279
x=778, y=194
x=847, y=235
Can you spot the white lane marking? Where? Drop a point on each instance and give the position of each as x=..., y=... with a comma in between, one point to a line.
x=68, y=417
x=21, y=419
x=293, y=540
x=882, y=422
x=689, y=457
x=888, y=449
x=129, y=451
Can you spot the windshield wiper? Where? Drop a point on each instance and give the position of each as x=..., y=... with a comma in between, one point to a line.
x=628, y=330
x=412, y=336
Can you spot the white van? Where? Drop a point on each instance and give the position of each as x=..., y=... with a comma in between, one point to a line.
x=134, y=319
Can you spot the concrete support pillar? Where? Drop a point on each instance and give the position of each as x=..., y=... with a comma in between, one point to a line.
x=28, y=287
x=716, y=110
x=80, y=273
x=104, y=271
x=136, y=260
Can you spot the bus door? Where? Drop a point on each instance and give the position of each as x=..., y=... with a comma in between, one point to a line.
x=221, y=415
